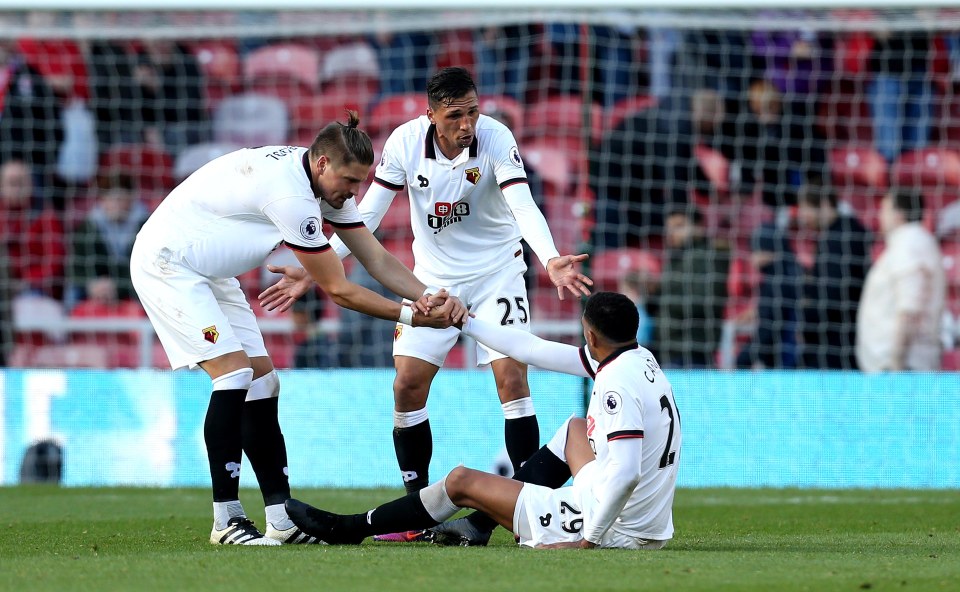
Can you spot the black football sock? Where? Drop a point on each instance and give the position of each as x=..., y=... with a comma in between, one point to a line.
x=522, y=436
x=400, y=515
x=265, y=447
x=543, y=468
x=224, y=442
x=414, y=446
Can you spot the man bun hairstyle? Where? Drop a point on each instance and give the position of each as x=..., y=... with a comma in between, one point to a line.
x=343, y=144
x=613, y=316
x=448, y=85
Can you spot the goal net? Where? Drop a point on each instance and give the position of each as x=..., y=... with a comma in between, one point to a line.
x=672, y=145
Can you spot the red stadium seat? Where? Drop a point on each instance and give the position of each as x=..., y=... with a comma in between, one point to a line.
x=151, y=167
x=844, y=113
x=310, y=114
x=610, y=266
x=251, y=119
x=624, y=108
x=931, y=168
x=552, y=164
x=508, y=105
x=220, y=64
x=858, y=166
x=286, y=61
x=562, y=117
x=396, y=110
x=359, y=90
x=120, y=349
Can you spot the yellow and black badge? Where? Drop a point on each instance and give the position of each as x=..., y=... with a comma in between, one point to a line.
x=397, y=332
x=473, y=175
x=211, y=334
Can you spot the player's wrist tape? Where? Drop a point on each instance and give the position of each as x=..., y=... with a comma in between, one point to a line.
x=406, y=315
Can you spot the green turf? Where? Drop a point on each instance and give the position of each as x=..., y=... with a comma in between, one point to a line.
x=149, y=539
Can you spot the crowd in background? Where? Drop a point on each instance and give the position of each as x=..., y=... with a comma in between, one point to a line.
x=725, y=172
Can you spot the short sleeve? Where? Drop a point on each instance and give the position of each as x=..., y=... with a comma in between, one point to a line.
x=300, y=223
x=348, y=216
x=622, y=413
x=507, y=162
x=391, y=172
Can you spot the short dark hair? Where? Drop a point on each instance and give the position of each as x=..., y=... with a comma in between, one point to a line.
x=613, y=316
x=449, y=84
x=817, y=194
x=690, y=212
x=344, y=144
x=909, y=201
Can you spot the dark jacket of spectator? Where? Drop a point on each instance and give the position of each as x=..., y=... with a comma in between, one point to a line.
x=690, y=304
x=774, y=344
x=30, y=126
x=832, y=294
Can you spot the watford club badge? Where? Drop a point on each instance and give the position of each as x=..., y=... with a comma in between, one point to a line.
x=397, y=332
x=473, y=175
x=211, y=334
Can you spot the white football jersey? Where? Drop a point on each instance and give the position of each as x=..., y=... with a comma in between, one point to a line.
x=462, y=225
x=632, y=398
x=225, y=218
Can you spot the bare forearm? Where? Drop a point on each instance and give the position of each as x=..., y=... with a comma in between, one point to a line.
x=395, y=276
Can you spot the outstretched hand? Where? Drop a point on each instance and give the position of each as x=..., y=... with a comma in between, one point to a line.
x=280, y=297
x=565, y=276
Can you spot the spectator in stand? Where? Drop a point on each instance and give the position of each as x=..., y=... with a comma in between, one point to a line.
x=30, y=126
x=774, y=342
x=832, y=287
x=788, y=149
x=646, y=165
x=61, y=63
x=33, y=240
x=901, y=92
x=172, y=85
x=715, y=59
x=693, y=293
x=614, y=75
x=100, y=258
x=502, y=57
x=115, y=97
x=796, y=62
x=406, y=61
x=901, y=308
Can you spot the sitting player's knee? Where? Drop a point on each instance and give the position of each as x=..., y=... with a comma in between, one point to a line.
x=577, y=425
x=457, y=483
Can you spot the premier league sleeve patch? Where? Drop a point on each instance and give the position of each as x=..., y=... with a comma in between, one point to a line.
x=310, y=228
x=612, y=403
x=515, y=157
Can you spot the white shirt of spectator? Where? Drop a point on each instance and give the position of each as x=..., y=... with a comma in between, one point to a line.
x=907, y=277
x=463, y=226
x=229, y=215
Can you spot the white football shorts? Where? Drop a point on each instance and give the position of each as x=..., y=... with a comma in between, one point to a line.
x=545, y=516
x=195, y=317
x=500, y=297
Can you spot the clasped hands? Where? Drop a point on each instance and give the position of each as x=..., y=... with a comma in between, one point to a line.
x=439, y=311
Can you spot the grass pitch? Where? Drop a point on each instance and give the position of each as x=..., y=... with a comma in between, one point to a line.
x=156, y=539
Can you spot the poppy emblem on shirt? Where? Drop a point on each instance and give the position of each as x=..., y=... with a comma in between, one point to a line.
x=611, y=403
x=515, y=157
x=310, y=228
x=473, y=175
x=211, y=334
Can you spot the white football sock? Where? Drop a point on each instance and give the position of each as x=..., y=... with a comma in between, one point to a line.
x=224, y=511
x=277, y=516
